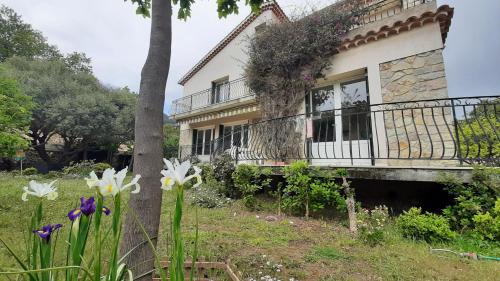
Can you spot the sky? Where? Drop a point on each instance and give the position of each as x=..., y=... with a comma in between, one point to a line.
x=117, y=39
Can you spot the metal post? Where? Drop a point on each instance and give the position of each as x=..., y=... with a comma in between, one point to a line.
x=457, y=137
x=237, y=154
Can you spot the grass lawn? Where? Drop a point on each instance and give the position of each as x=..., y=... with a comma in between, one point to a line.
x=288, y=248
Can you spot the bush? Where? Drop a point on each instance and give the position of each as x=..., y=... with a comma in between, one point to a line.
x=307, y=189
x=371, y=225
x=487, y=225
x=223, y=170
x=207, y=195
x=81, y=168
x=429, y=227
x=54, y=175
x=248, y=179
x=471, y=199
x=84, y=167
x=100, y=167
x=207, y=172
x=30, y=171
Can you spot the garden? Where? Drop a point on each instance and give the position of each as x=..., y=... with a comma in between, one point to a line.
x=293, y=227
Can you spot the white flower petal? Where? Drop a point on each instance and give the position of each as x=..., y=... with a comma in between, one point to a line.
x=168, y=164
x=93, y=180
x=120, y=176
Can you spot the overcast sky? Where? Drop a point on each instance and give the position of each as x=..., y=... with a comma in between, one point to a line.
x=117, y=39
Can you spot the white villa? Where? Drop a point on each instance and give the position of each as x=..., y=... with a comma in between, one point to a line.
x=393, y=59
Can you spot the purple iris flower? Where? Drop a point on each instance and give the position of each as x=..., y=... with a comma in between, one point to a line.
x=46, y=231
x=87, y=207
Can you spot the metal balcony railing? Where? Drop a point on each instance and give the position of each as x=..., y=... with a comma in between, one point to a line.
x=453, y=131
x=216, y=95
x=380, y=9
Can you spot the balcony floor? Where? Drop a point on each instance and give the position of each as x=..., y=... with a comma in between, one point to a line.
x=398, y=173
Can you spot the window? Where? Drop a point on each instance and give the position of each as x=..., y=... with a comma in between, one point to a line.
x=320, y=105
x=236, y=135
x=202, y=142
x=355, y=110
x=220, y=91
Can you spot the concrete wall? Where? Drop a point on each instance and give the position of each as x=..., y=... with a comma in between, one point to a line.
x=228, y=62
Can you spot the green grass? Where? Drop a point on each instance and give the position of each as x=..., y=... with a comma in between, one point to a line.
x=290, y=247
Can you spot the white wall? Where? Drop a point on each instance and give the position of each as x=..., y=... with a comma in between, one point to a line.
x=228, y=62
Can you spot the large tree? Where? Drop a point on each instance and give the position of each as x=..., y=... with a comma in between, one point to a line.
x=18, y=38
x=149, y=125
x=71, y=104
x=15, y=113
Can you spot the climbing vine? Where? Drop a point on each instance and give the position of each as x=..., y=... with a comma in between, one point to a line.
x=286, y=59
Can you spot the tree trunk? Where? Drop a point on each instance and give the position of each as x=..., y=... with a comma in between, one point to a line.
x=351, y=205
x=148, y=143
x=307, y=207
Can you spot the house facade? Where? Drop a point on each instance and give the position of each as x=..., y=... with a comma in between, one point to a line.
x=386, y=96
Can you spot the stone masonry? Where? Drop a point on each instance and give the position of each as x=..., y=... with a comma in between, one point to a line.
x=420, y=130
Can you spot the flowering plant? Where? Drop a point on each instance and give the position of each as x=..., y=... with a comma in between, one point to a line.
x=174, y=178
x=84, y=220
x=371, y=224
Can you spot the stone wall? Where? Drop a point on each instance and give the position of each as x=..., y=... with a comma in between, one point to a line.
x=418, y=77
x=420, y=130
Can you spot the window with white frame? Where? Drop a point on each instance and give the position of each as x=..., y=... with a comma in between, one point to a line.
x=235, y=136
x=202, y=141
x=220, y=90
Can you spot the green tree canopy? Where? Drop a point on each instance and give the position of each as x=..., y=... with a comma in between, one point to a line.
x=15, y=114
x=170, y=141
x=20, y=39
x=71, y=103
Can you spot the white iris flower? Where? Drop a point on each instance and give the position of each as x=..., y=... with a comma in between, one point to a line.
x=176, y=174
x=112, y=182
x=40, y=190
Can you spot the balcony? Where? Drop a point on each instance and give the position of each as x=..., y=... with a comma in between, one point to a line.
x=215, y=97
x=377, y=10
x=439, y=133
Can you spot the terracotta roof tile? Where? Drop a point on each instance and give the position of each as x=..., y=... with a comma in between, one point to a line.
x=443, y=15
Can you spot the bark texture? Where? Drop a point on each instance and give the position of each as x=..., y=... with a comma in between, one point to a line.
x=351, y=205
x=148, y=151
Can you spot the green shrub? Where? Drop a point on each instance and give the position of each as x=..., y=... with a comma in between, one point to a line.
x=81, y=168
x=84, y=167
x=100, y=167
x=307, y=189
x=54, y=175
x=207, y=195
x=30, y=171
x=429, y=227
x=248, y=179
x=207, y=172
x=471, y=199
x=487, y=225
x=371, y=225
x=223, y=170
